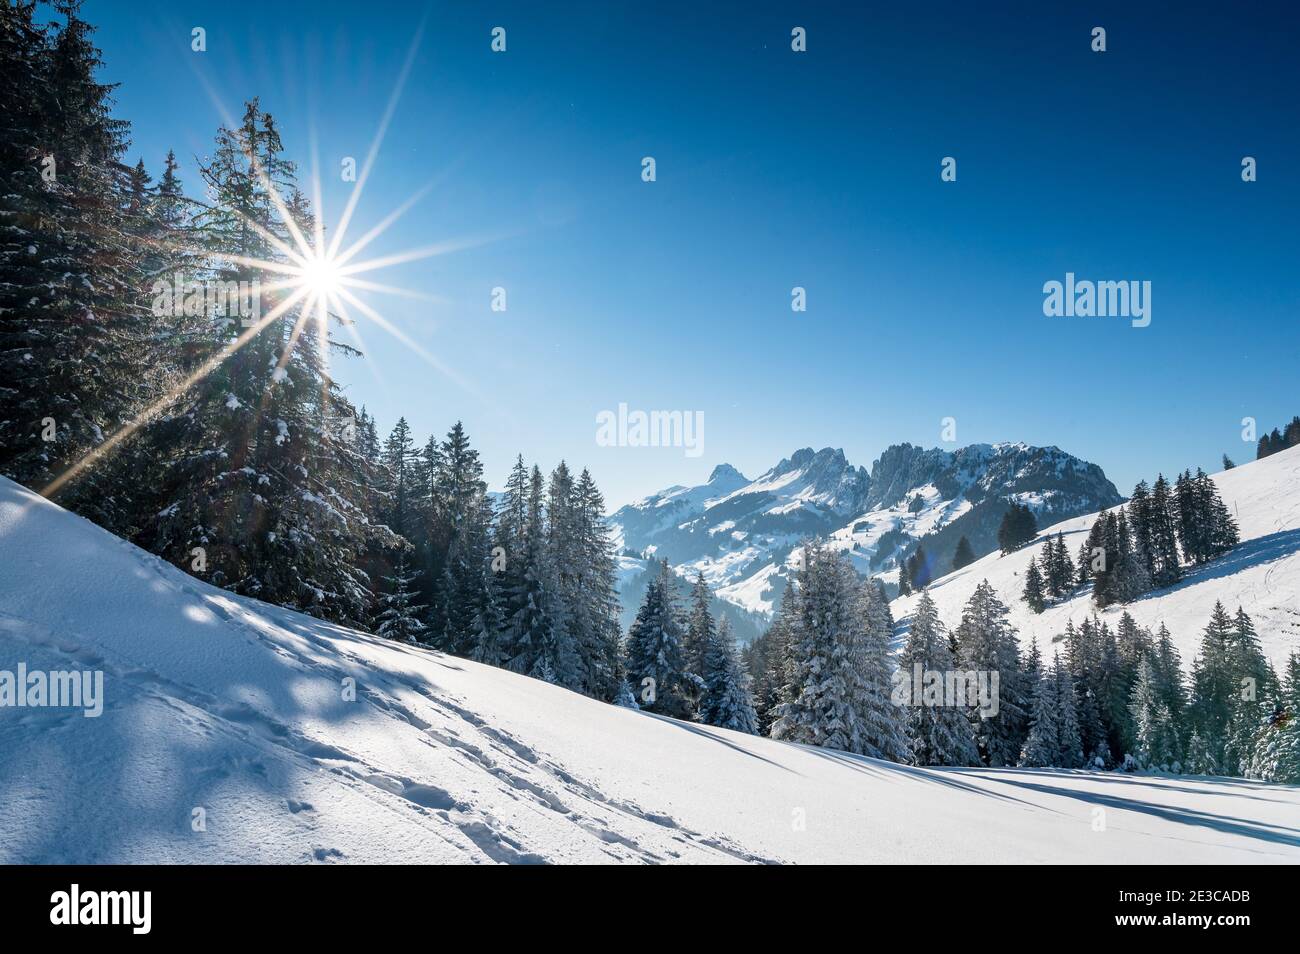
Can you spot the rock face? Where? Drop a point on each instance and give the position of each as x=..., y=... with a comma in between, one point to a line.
x=740, y=533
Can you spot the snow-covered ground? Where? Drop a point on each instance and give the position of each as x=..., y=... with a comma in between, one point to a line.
x=1261, y=575
x=238, y=709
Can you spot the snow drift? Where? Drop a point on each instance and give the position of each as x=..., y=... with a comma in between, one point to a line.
x=227, y=735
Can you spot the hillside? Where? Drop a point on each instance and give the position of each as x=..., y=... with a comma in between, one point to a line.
x=1262, y=574
x=235, y=707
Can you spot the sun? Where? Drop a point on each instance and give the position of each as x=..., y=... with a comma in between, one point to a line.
x=319, y=275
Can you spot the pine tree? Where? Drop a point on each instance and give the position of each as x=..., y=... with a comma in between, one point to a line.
x=398, y=485
x=836, y=666
x=1068, y=730
x=1276, y=749
x=883, y=731
x=1042, y=747
x=654, y=650
x=595, y=614
x=938, y=733
x=987, y=644
x=1033, y=594
x=1162, y=519
x=727, y=702
x=1156, y=739
x=400, y=617
x=1255, y=693
x=1213, y=689
x=253, y=473
x=1018, y=527
x=964, y=555
x=699, y=632
x=75, y=326
x=769, y=660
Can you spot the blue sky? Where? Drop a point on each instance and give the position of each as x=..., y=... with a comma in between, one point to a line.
x=777, y=169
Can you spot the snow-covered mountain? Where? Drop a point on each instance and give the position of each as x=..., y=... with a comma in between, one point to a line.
x=235, y=731
x=742, y=533
x=1261, y=574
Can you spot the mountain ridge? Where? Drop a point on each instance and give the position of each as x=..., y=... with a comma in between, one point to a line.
x=740, y=533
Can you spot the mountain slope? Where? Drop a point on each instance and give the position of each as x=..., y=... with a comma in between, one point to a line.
x=742, y=534
x=1262, y=574
x=228, y=705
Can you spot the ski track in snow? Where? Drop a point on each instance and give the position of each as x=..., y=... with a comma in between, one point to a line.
x=235, y=707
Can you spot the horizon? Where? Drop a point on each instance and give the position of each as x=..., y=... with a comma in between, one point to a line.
x=775, y=170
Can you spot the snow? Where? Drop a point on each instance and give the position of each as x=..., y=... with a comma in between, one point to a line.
x=1262, y=574
x=238, y=708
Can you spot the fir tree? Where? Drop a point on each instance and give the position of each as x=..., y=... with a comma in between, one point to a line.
x=1042, y=746
x=1156, y=743
x=987, y=644
x=964, y=555
x=938, y=734
x=1213, y=691
x=400, y=617
x=655, y=667
x=1033, y=594
x=727, y=702
x=699, y=632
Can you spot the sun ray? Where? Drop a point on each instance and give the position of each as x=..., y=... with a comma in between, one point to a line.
x=414, y=255
x=373, y=152
x=124, y=432
x=366, y=285
x=405, y=339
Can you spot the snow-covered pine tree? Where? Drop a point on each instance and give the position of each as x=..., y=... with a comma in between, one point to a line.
x=596, y=613
x=1042, y=746
x=1033, y=593
x=938, y=734
x=1140, y=509
x=1068, y=731
x=769, y=660
x=1213, y=690
x=727, y=701
x=1221, y=533
x=1060, y=568
x=75, y=325
x=699, y=631
x=1255, y=693
x=533, y=640
x=1093, y=546
x=400, y=616
x=654, y=650
x=883, y=725
x=1163, y=523
x=398, y=487
x=987, y=643
x=259, y=490
x=1155, y=744
x=1276, y=750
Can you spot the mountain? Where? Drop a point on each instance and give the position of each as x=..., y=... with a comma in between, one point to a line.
x=1261, y=574
x=741, y=533
x=236, y=731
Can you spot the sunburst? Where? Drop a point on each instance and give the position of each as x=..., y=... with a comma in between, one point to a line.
x=320, y=278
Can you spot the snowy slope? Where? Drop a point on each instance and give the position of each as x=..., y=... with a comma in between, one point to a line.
x=1262, y=575
x=234, y=706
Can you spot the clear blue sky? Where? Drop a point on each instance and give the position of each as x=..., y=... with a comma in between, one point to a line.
x=778, y=169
